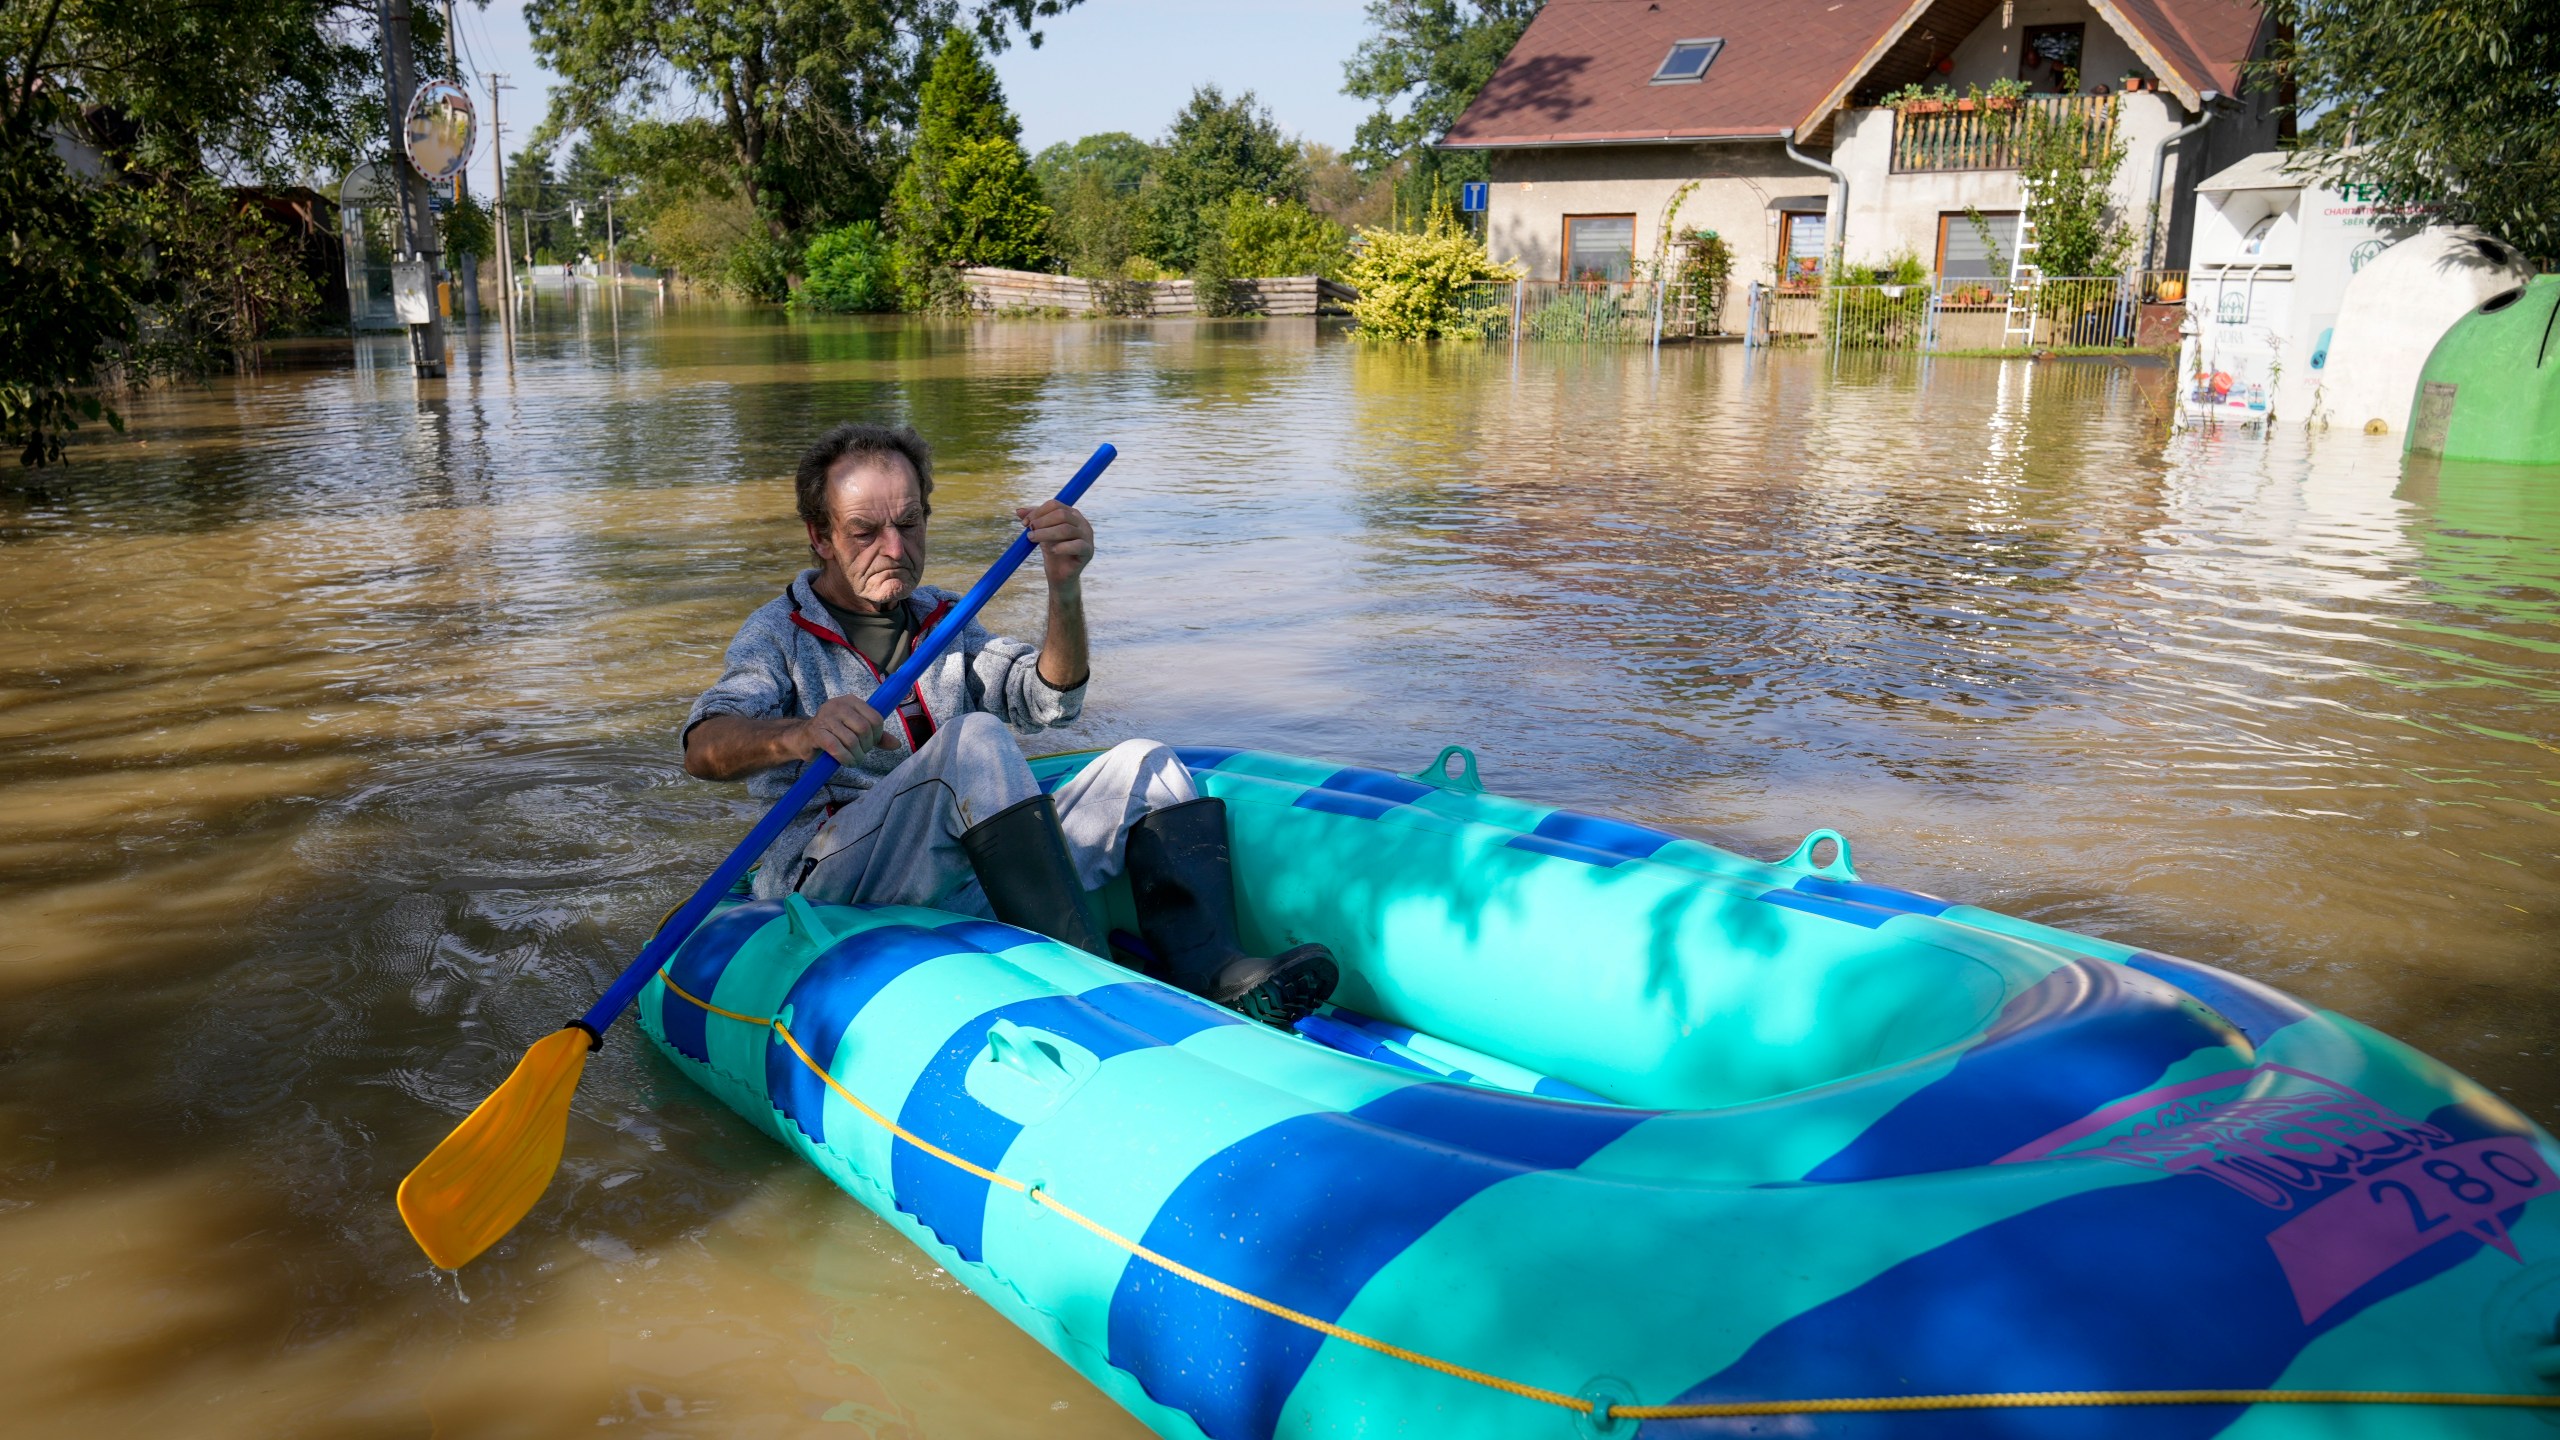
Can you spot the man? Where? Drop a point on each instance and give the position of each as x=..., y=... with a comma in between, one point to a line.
x=935, y=805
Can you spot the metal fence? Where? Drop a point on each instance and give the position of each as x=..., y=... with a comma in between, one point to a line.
x=2041, y=313
x=1935, y=315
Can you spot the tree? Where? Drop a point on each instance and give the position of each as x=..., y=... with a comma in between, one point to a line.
x=145, y=263
x=1119, y=158
x=966, y=196
x=2450, y=106
x=1216, y=148
x=1092, y=188
x=1421, y=67
x=2071, y=198
x=813, y=96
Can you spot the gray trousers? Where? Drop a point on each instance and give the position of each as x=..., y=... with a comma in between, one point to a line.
x=899, y=844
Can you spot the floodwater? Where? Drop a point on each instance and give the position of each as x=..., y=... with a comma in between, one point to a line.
x=337, y=764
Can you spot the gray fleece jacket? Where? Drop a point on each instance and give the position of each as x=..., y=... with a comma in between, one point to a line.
x=788, y=660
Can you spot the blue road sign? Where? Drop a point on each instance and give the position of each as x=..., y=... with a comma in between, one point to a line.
x=1472, y=195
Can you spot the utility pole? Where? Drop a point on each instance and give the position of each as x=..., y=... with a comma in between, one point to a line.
x=461, y=177
x=608, y=235
x=498, y=201
x=417, y=218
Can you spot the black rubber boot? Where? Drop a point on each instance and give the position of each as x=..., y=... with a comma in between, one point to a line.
x=1180, y=877
x=1021, y=859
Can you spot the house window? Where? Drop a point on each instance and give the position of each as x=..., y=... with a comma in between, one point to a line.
x=1688, y=61
x=1599, y=247
x=1962, y=251
x=1802, y=242
x=2050, y=58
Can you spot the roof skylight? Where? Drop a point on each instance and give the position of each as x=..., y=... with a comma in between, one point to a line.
x=1687, y=62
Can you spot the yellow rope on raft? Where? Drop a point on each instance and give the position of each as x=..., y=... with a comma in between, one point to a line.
x=1714, y=1410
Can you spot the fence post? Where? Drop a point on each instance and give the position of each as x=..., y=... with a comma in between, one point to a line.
x=1516, y=287
x=1657, y=313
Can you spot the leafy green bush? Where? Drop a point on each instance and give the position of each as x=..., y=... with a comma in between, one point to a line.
x=1262, y=236
x=758, y=267
x=848, y=271
x=1427, y=285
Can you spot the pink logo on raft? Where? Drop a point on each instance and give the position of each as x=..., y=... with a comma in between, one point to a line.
x=2373, y=1186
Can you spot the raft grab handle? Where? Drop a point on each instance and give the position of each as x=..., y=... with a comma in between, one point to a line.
x=1802, y=859
x=1439, y=774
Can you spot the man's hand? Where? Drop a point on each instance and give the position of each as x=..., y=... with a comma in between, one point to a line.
x=843, y=727
x=728, y=747
x=1064, y=536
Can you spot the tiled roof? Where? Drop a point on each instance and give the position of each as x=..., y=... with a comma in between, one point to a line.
x=1581, y=73
x=2203, y=41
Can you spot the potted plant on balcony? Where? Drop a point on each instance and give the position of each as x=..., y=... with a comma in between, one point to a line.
x=2005, y=95
x=1917, y=100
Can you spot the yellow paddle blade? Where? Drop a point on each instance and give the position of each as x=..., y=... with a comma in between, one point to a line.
x=475, y=1186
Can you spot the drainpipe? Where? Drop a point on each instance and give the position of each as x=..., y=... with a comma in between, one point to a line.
x=2160, y=165
x=1839, y=191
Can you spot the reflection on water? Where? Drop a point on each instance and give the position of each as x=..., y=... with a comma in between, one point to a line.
x=336, y=760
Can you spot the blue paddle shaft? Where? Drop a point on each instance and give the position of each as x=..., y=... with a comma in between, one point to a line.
x=814, y=773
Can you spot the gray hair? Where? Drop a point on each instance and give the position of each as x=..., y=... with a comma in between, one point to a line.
x=852, y=441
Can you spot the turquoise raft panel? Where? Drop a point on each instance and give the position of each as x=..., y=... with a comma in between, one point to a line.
x=1857, y=1142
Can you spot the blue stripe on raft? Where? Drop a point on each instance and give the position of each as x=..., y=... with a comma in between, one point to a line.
x=1609, y=837
x=2017, y=1305
x=2258, y=1011
x=824, y=1001
x=1542, y=845
x=700, y=962
x=1555, y=1089
x=1852, y=911
x=2088, y=1034
x=1883, y=897
x=1376, y=784
x=1305, y=1213
x=989, y=935
x=1382, y=1029
x=1334, y=1035
x=1204, y=757
x=1340, y=802
x=949, y=1200
x=1170, y=1015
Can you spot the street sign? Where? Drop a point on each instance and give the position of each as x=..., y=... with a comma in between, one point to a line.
x=1472, y=196
x=440, y=129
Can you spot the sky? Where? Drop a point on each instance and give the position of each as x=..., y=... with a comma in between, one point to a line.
x=1104, y=65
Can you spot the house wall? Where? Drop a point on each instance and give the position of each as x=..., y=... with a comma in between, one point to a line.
x=1992, y=51
x=1889, y=213
x=1740, y=185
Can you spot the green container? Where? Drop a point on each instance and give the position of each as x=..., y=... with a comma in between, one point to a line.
x=2491, y=388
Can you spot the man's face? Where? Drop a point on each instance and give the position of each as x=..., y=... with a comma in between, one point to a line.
x=873, y=542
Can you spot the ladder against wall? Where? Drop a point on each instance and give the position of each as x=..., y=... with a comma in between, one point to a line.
x=2018, y=326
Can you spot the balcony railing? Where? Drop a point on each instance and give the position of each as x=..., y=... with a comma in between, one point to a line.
x=1983, y=138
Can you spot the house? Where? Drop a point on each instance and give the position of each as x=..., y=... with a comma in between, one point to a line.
x=1605, y=109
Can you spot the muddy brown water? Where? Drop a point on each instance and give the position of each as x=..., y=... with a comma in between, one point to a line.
x=337, y=764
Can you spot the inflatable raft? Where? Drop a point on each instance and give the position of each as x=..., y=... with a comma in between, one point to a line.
x=1613, y=1130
